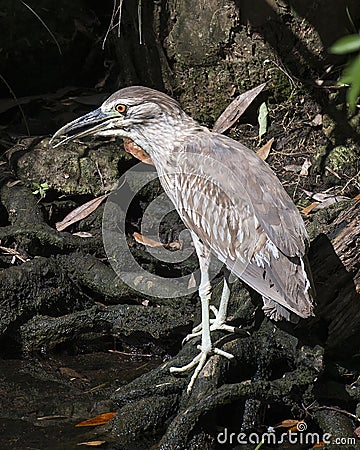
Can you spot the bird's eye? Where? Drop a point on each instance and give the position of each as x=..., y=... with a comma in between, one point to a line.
x=120, y=108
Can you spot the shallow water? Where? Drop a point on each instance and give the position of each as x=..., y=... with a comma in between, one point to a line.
x=41, y=400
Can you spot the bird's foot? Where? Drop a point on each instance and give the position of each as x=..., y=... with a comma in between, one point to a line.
x=199, y=361
x=215, y=325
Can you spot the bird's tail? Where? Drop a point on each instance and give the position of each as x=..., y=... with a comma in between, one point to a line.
x=285, y=284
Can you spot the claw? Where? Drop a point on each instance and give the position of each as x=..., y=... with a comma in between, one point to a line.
x=215, y=325
x=199, y=361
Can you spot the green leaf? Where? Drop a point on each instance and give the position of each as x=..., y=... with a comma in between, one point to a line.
x=262, y=119
x=346, y=44
x=351, y=76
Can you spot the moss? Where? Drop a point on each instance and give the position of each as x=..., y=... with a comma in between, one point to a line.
x=318, y=158
x=76, y=169
x=343, y=159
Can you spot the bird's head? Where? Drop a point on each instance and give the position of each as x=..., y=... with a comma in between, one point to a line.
x=144, y=115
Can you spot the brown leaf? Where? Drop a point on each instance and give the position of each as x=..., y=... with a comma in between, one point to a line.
x=357, y=197
x=357, y=432
x=236, y=109
x=175, y=245
x=306, y=211
x=264, y=151
x=287, y=423
x=321, y=444
x=101, y=419
x=297, y=427
x=80, y=213
x=147, y=241
x=92, y=443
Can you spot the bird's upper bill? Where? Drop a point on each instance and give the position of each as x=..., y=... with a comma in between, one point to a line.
x=91, y=123
x=121, y=115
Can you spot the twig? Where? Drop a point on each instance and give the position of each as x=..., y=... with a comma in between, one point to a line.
x=18, y=104
x=140, y=21
x=291, y=80
x=131, y=354
x=46, y=27
x=115, y=11
x=15, y=253
x=342, y=411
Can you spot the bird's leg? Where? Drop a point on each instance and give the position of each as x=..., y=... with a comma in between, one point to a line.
x=220, y=316
x=204, y=292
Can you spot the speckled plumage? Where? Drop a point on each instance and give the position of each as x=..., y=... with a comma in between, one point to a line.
x=229, y=198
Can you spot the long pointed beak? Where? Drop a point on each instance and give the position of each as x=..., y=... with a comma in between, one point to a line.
x=88, y=124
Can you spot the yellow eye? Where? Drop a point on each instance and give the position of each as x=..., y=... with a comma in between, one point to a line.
x=120, y=108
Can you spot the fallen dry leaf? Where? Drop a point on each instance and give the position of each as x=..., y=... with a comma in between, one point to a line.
x=357, y=197
x=80, y=212
x=299, y=426
x=83, y=234
x=192, y=282
x=101, y=419
x=292, y=168
x=264, y=151
x=304, y=172
x=309, y=208
x=15, y=253
x=147, y=241
x=317, y=120
x=329, y=201
x=236, y=109
x=176, y=245
x=287, y=423
x=92, y=443
x=323, y=196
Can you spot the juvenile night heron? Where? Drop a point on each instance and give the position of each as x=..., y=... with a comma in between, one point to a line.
x=231, y=201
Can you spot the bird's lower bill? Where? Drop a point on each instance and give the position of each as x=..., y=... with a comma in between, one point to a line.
x=88, y=124
x=92, y=123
